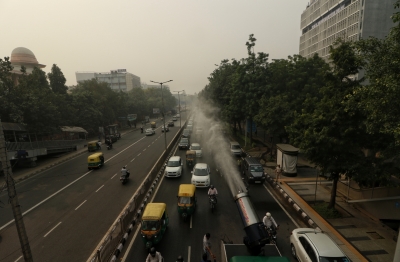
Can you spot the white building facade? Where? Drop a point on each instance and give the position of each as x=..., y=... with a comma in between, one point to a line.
x=116, y=79
x=324, y=21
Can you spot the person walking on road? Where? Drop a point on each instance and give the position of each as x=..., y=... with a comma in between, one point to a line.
x=278, y=172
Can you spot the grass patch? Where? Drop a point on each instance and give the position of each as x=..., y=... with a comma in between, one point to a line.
x=323, y=210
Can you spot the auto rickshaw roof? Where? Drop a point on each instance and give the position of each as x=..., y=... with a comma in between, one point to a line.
x=190, y=152
x=91, y=142
x=95, y=155
x=186, y=190
x=154, y=211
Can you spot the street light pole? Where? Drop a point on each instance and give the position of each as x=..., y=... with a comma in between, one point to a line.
x=180, y=116
x=163, y=109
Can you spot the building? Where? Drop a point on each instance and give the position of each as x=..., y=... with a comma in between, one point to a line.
x=22, y=56
x=145, y=86
x=117, y=79
x=324, y=21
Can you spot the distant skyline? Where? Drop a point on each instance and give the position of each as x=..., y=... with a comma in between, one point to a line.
x=156, y=40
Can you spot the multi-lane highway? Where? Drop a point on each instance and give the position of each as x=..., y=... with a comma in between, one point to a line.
x=68, y=210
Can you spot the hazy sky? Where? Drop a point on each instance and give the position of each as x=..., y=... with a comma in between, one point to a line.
x=156, y=40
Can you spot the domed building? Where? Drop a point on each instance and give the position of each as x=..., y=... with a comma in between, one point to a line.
x=22, y=56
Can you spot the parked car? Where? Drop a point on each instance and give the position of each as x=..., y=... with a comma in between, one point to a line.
x=174, y=167
x=171, y=123
x=309, y=244
x=164, y=128
x=150, y=132
x=201, y=175
x=196, y=147
x=184, y=143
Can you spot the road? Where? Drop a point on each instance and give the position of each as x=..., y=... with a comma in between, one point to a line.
x=67, y=210
x=185, y=238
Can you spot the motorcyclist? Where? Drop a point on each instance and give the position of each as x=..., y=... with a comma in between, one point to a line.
x=141, y=129
x=154, y=256
x=180, y=259
x=212, y=192
x=269, y=222
x=125, y=172
x=108, y=141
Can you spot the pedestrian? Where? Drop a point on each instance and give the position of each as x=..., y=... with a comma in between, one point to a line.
x=206, y=243
x=278, y=172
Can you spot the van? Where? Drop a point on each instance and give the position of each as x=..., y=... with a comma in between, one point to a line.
x=252, y=170
x=235, y=148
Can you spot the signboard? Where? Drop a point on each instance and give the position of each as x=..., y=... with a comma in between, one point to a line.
x=156, y=110
x=132, y=117
x=121, y=70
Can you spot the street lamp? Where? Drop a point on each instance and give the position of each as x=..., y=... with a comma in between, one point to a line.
x=180, y=117
x=162, y=112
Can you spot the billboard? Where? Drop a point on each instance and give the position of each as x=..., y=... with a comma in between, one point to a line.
x=156, y=110
x=132, y=117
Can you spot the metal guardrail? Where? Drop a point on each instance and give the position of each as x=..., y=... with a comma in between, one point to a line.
x=14, y=146
x=111, y=245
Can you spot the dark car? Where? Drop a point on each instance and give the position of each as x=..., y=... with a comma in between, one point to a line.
x=184, y=143
x=171, y=123
x=164, y=128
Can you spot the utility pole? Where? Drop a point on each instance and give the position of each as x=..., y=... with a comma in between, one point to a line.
x=13, y=198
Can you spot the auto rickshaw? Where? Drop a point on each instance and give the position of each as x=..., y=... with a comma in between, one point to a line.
x=92, y=146
x=186, y=200
x=154, y=223
x=190, y=158
x=153, y=125
x=95, y=160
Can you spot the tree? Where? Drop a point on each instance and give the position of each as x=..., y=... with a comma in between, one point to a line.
x=57, y=80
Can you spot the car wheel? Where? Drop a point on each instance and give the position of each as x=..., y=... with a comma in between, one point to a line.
x=293, y=251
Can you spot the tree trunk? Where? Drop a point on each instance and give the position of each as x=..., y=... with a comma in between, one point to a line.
x=332, y=202
x=240, y=127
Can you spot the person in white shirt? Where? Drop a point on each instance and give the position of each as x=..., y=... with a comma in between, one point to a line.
x=125, y=172
x=154, y=256
x=212, y=192
x=269, y=221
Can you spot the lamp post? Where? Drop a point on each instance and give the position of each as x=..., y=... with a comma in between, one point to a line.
x=179, y=98
x=162, y=112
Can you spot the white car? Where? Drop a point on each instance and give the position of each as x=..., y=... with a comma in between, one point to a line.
x=309, y=244
x=196, y=147
x=150, y=132
x=174, y=167
x=201, y=175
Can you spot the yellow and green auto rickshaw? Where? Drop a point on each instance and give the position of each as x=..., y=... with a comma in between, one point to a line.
x=154, y=223
x=190, y=158
x=95, y=160
x=186, y=200
x=92, y=146
x=153, y=124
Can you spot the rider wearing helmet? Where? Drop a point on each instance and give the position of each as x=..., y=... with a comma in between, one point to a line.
x=154, y=256
x=180, y=259
x=212, y=192
x=269, y=221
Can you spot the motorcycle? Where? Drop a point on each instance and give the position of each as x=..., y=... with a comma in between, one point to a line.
x=213, y=202
x=109, y=146
x=124, y=178
x=272, y=235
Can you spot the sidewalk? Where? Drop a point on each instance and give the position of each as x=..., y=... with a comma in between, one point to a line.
x=358, y=233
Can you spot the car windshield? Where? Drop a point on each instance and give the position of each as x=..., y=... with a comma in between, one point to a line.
x=334, y=259
x=184, y=140
x=150, y=225
x=186, y=131
x=173, y=163
x=235, y=147
x=200, y=172
x=196, y=147
x=256, y=169
x=149, y=130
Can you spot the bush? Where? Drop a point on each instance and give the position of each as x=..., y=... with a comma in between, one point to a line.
x=323, y=210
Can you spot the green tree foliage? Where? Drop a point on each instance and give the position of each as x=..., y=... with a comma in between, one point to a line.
x=9, y=111
x=57, y=80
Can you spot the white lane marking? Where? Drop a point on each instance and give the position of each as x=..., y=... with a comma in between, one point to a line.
x=191, y=221
x=144, y=149
x=132, y=160
x=276, y=200
x=148, y=145
x=152, y=142
x=80, y=205
x=73, y=182
x=99, y=188
x=52, y=229
x=189, y=253
x=114, y=175
x=18, y=259
x=139, y=154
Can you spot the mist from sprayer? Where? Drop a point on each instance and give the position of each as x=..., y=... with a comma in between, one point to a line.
x=217, y=146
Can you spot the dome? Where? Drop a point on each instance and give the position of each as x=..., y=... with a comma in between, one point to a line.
x=23, y=55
